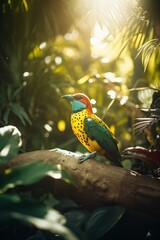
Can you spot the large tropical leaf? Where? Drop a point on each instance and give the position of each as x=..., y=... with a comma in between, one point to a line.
x=33, y=212
x=31, y=173
x=10, y=142
x=102, y=220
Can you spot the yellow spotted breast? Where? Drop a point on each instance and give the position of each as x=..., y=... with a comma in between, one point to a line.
x=77, y=124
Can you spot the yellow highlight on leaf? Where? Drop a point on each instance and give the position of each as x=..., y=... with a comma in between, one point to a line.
x=61, y=125
x=7, y=171
x=35, y=53
x=83, y=79
x=25, y=5
x=112, y=129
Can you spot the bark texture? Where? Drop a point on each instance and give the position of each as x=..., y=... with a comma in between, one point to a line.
x=98, y=184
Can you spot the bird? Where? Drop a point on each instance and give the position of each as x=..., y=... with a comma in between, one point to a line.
x=91, y=131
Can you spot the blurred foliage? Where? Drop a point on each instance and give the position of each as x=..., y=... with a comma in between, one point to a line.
x=37, y=68
x=51, y=52
x=108, y=50
x=15, y=205
x=148, y=159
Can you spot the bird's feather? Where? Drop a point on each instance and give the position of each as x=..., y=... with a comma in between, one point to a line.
x=97, y=130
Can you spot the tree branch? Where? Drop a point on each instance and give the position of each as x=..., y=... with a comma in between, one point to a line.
x=98, y=184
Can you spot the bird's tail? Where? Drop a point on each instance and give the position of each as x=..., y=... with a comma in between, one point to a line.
x=115, y=158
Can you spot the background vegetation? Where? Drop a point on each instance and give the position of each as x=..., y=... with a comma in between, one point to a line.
x=108, y=50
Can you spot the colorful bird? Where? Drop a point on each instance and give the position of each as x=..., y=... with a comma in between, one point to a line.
x=90, y=130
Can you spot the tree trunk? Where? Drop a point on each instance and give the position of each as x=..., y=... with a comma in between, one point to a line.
x=97, y=183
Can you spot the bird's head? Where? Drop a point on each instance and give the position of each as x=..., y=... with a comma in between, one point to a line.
x=79, y=102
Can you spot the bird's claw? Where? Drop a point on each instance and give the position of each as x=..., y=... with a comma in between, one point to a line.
x=86, y=157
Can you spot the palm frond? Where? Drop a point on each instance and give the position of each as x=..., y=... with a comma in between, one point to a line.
x=130, y=27
x=108, y=13
x=142, y=124
x=154, y=111
x=147, y=49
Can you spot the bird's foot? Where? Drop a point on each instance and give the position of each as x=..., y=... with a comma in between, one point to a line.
x=86, y=157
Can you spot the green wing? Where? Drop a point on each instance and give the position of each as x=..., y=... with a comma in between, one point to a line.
x=98, y=131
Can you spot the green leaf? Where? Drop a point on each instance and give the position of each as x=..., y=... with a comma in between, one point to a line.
x=28, y=173
x=146, y=50
x=20, y=112
x=76, y=217
x=10, y=142
x=42, y=235
x=32, y=211
x=17, y=92
x=6, y=115
x=68, y=178
x=102, y=220
x=66, y=203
